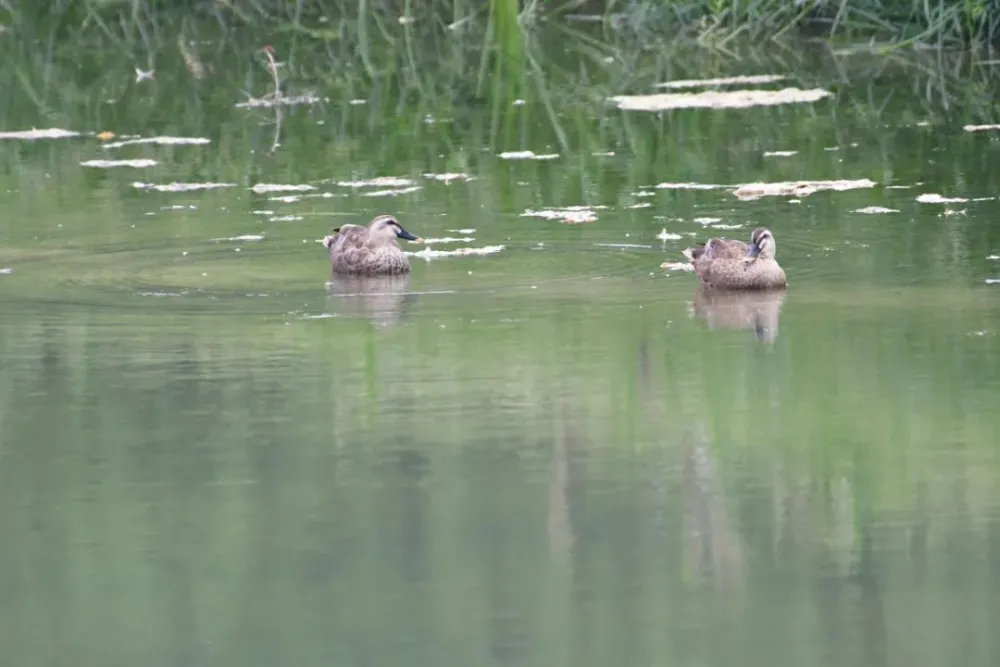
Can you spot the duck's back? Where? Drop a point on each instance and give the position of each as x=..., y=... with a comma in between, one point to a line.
x=351, y=252
x=741, y=274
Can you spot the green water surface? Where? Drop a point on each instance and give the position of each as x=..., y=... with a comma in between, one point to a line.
x=556, y=454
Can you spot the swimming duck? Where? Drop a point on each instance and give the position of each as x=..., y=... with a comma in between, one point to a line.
x=729, y=264
x=371, y=250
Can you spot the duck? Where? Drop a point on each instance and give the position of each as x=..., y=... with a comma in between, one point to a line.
x=369, y=251
x=730, y=264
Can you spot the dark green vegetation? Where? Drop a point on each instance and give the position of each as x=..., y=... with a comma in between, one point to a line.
x=533, y=458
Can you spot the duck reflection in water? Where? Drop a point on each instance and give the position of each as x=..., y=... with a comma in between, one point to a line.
x=384, y=300
x=758, y=311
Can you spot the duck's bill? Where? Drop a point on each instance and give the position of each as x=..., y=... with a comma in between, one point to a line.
x=403, y=234
x=754, y=250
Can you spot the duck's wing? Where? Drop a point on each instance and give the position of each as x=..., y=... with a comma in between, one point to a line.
x=346, y=237
x=728, y=249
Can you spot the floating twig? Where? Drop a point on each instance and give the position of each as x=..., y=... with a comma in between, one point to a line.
x=269, y=52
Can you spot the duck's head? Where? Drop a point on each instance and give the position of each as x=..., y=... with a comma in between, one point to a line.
x=385, y=229
x=762, y=243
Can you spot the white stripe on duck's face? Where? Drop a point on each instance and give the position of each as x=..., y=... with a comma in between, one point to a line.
x=762, y=243
x=386, y=229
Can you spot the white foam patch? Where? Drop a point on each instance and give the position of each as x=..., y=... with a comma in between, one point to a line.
x=379, y=182
x=110, y=164
x=181, y=187
x=980, y=128
x=713, y=99
x=449, y=177
x=527, y=155
x=391, y=192
x=163, y=141
x=707, y=221
x=450, y=239
x=995, y=258
x=780, y=153
x=429, y=253
x=573, y=215
x=622, y=245
x=286, y=218
x=667, y=236
x=245, y=237
x=270, y=101
x=726, y=226
x=6, y=272
x=35, y=134
x=874, y=210
x=470, y=230
x=934, y=198
x=261, y=188
x=642, y=204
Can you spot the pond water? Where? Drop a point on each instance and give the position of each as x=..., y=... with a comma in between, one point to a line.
x=555, y=453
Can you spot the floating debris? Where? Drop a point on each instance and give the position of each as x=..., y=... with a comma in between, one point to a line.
x=391, y=192
x=429, y=254
x=667, y=236
x=527, y=155
x=269, y=101
x=993, y=281
x=749, y=80
x=713, y=99
x=780, y=153
x=108, y=164
x=450, y=239
x=449, y=177
x=876, y=209
x=34, y=134
x=573, y=215
x=677, y=266
x=379, y=182
x=107, y=135
x=995, y=258
x=750, y=191
x=163, y=141
x=938, y=199
x=181, y=187
x=980, y=128
x=245, y=237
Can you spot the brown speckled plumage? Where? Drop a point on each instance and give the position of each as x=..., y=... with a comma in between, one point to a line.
x=369, y=251
x=727, y=264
